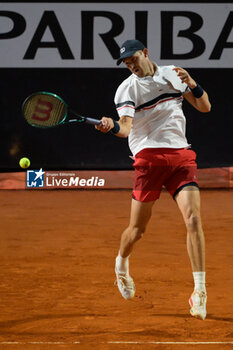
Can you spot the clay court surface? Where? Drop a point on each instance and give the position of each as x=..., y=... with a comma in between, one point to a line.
x=57, y=288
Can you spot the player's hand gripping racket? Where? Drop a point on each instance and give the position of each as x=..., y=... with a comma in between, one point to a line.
x=45, y=110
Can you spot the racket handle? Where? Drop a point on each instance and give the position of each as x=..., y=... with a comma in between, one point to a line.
x=92, y=121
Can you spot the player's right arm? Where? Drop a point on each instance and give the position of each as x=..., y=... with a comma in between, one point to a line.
x=108, y=124
x=125, y=105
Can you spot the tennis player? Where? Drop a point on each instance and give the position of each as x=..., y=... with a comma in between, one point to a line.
x=149, y=104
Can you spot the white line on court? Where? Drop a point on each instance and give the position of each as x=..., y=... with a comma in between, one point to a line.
x=118, y=342
x=172, y=342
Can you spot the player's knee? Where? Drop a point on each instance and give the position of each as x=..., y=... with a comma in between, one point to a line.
x=193, y=222
x=136, y=233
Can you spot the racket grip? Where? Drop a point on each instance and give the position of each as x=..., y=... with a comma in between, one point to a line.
x=92, y=121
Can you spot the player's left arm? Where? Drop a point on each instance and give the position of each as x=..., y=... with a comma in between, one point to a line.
x=201, y=100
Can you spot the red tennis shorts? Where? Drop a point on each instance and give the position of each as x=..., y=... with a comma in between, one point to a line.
x=158, y=167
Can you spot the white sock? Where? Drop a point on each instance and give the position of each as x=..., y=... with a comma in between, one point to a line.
x=199, y=281
x=122, y=263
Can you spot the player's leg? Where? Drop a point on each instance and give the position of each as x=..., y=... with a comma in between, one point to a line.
x=149, y=168
x=188, y=200
x=139, y=217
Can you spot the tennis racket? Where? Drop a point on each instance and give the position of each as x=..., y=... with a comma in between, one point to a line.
x=46, y=110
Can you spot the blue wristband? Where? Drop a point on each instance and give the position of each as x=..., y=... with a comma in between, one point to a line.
x=197, y=91
x=116, y=127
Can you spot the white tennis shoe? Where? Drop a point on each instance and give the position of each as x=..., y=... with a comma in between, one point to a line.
x=198, y=302
x=125, y=284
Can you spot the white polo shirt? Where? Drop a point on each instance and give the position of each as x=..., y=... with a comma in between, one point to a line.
x=155, y=104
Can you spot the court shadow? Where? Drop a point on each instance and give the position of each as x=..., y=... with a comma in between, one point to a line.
x=218, y=318
x=209, y=317
x=12, y=323
x=172, y=315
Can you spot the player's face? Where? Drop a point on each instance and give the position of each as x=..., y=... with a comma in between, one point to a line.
x=138, y=64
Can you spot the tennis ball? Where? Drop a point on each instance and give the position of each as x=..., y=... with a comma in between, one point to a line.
x=24, y=163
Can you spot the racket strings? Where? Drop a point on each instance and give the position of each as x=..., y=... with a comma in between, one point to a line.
x=44, y=110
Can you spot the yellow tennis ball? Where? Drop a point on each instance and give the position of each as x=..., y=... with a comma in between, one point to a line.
x=24, y=163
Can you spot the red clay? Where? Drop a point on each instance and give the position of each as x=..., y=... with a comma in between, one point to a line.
x=57, y=272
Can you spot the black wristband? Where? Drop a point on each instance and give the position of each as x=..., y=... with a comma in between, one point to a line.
x=197, y=91
x=116, y=127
